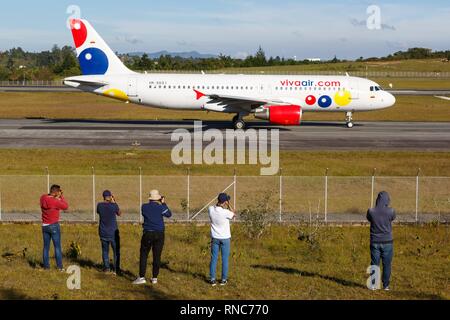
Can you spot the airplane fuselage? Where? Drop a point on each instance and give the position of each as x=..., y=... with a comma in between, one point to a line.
x=181, y=91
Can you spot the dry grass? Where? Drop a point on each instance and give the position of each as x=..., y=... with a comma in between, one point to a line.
x=294, y=163
x=277, y=267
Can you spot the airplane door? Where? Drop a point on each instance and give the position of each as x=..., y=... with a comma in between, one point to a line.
x=132, y=87
x=354, y=88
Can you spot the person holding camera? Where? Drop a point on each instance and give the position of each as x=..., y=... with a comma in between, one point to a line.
x=108, y=210
x=51, y=206
x=220, y=215
x=153, y=236
x=381, y=239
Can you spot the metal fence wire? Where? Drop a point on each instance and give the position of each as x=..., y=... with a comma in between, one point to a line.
x=289, y=198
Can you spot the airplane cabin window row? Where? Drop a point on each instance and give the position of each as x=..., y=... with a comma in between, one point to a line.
x=201, y=87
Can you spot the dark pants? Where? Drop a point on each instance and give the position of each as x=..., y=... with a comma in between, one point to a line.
x=52, y=233
x=114, y=242
x=151, y=240
x=385, y=252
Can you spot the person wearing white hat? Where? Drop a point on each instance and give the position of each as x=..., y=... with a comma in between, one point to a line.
x=153, y=237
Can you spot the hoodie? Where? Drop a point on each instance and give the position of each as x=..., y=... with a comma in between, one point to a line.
x=380, y=219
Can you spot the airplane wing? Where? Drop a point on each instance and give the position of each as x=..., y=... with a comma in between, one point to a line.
x=237, y=101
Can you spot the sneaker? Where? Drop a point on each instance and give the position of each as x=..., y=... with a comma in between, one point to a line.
x=154, y=280
x=387, y=289
x=62, y=270
x=140, y=281
x=213, y=283
x=223, y=282
x=373, y=288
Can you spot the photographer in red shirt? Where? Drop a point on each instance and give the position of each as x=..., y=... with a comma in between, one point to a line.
x=51, y=205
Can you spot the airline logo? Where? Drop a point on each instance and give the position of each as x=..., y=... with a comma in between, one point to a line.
x=93, y=61
x=342, y=98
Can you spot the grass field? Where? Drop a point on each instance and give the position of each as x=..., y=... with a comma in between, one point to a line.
x=158, y=163
x=416, y=65
x=278, y=266
x=88, y=106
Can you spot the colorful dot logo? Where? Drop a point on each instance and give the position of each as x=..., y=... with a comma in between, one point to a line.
x=310, y=100
x=79, y=32
x=325, y=101
x=93, y=61
x=343, y=98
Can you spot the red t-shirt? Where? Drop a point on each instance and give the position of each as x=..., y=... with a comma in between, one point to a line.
x=51, y=207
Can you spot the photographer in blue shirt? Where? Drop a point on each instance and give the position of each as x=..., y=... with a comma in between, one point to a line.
x=108, y=210
x=153, y=236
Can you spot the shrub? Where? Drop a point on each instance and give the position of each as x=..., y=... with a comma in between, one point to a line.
x=255, y=218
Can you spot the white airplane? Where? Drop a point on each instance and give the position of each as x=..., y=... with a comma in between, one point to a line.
x=279, y=99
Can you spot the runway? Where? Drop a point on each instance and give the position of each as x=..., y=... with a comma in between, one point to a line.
x=147, y=135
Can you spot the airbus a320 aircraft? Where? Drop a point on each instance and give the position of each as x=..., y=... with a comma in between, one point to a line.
x=279, y=99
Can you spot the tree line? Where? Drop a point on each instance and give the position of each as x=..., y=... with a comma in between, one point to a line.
x=17, y=64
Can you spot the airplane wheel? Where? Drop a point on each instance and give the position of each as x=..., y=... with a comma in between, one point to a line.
x=350, y=125
x=239, y=125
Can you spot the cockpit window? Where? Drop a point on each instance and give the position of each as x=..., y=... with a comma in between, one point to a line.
x=376, y=88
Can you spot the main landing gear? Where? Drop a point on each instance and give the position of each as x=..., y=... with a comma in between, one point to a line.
x=238, y=122
x=349, y=120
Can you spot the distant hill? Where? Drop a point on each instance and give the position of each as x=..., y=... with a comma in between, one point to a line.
x=184, y=55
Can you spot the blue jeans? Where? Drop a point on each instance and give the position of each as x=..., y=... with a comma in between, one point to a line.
x=385, y=251
x=52, y=233
x=115, y=245
x=224, y=246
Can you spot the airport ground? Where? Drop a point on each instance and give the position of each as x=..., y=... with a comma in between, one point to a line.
x=158, y=162
x=277, y=266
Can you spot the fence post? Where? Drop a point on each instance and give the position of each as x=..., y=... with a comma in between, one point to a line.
x=281, y=194
x=0, y=200
x=234, y=190
x=373, y=186
x=48, y=179
x=326, y=196
x=417, y=195
x=140, y=194
x=93, y=194
x=188, y=194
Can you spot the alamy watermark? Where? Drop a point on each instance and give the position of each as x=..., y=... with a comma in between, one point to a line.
x=374, y=280
x=74, y=12
x=228, y=148
x=74, y=280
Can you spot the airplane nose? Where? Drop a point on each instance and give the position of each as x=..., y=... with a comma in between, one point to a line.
x=389, y=99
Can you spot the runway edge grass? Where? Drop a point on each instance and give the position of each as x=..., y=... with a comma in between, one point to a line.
x=294, y=163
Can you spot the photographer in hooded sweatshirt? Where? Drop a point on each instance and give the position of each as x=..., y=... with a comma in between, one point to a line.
x=381, y=239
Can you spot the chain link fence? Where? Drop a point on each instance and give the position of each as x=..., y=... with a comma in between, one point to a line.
x=364, y=74
x=292, y=199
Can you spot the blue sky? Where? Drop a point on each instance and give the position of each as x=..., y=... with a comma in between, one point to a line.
x=305, y=29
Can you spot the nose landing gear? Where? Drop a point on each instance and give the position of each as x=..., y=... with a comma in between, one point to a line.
x=349, y=120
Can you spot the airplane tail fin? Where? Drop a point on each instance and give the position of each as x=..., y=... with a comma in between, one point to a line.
x=94, y=55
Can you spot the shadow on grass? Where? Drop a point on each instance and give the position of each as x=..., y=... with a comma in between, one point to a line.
x=197, y=275
x=13, y=294
x=286, y=270
x=128, y=276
